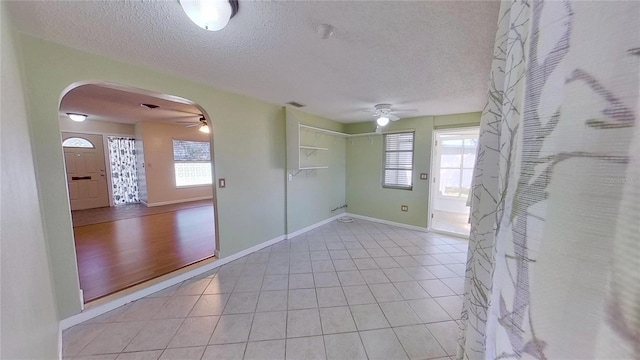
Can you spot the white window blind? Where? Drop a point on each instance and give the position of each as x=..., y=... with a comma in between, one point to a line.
x=192, y=163
x=398, y=160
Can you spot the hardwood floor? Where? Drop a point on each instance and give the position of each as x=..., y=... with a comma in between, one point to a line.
x=115, y=255
x=104, y=214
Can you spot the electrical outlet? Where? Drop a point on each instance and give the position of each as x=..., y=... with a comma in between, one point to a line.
x=404, y=208
x=222, y=183
x=424, y=176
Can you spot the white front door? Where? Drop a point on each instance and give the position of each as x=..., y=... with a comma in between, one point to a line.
x=85, y=165
x=454, y=155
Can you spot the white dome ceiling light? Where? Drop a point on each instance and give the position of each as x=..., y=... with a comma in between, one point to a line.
x=77, y=117
x=212, y=15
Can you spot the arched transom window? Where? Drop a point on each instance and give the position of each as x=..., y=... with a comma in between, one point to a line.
x=77, y=142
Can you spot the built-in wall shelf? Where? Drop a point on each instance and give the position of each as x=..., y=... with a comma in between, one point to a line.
x=313, y=147
x=320, y=130
x=307, y=147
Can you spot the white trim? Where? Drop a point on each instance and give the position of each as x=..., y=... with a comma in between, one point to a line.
x=387, y=222
x=176, y=201
x=253, y=249
x=311, y=227
x=59, y=341
x=449, y=233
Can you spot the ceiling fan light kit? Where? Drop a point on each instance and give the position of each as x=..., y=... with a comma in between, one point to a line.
x=384, y=113
x=212, y=15
x=383, y=120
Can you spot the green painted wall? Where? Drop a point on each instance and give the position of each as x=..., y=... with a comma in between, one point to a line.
x=248, y=135
x=29, y=326
x=312, y=194
x=365, y=194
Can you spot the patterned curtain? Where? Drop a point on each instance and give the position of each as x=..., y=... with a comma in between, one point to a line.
x=122, y=156
x=554, y=258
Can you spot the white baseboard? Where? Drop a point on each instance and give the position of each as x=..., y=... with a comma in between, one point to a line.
x=448, y=233
x=160, y=203
x=311, y=227
x=253, y=249
x=387, y=222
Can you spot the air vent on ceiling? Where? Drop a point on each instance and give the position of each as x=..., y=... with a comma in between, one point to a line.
x=295, y=104
x=149, y=106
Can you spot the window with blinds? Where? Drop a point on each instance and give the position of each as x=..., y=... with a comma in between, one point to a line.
x=398, y=160
x=192, y=163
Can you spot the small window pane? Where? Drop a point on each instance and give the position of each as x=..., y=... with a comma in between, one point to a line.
x=467, y=176
x=450, y=182
x=452, y=143
x=193, y=173
x=77, y=142
x=469, y=158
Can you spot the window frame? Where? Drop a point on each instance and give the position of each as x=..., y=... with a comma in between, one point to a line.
x=384, y=159
x=175, y=179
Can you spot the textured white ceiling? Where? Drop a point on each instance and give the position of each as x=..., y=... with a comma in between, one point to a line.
x=433, y=56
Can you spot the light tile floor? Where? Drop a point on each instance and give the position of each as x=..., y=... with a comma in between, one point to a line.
x=342, y=291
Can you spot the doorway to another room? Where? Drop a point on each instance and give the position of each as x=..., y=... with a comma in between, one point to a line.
x=453, y=159
x=139, y=174
x=86, y=172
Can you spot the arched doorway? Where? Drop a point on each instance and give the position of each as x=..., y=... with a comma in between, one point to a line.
x=139, y=173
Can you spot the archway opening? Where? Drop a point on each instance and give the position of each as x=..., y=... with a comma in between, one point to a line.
x=139, y=174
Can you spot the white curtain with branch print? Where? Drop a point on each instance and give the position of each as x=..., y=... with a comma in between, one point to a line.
x=554, y=258
x=124, y=177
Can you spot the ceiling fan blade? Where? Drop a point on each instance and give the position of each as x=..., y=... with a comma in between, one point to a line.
x=183, y=122
x=193, y=125
x=404, y=110
x=393, y=117
x=185, y=117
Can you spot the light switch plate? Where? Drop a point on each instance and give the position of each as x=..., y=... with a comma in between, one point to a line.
x=404, y=208
x=222, y=183
x=424, y=176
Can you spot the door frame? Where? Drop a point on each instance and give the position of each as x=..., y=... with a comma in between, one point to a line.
x=435, y=168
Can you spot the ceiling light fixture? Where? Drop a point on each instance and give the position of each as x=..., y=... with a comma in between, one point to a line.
x=77, y=117
x=212, y=15
x=383, y=120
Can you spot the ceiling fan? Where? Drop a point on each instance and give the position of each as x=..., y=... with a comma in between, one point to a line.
x=202, y=123
x=385, y=113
